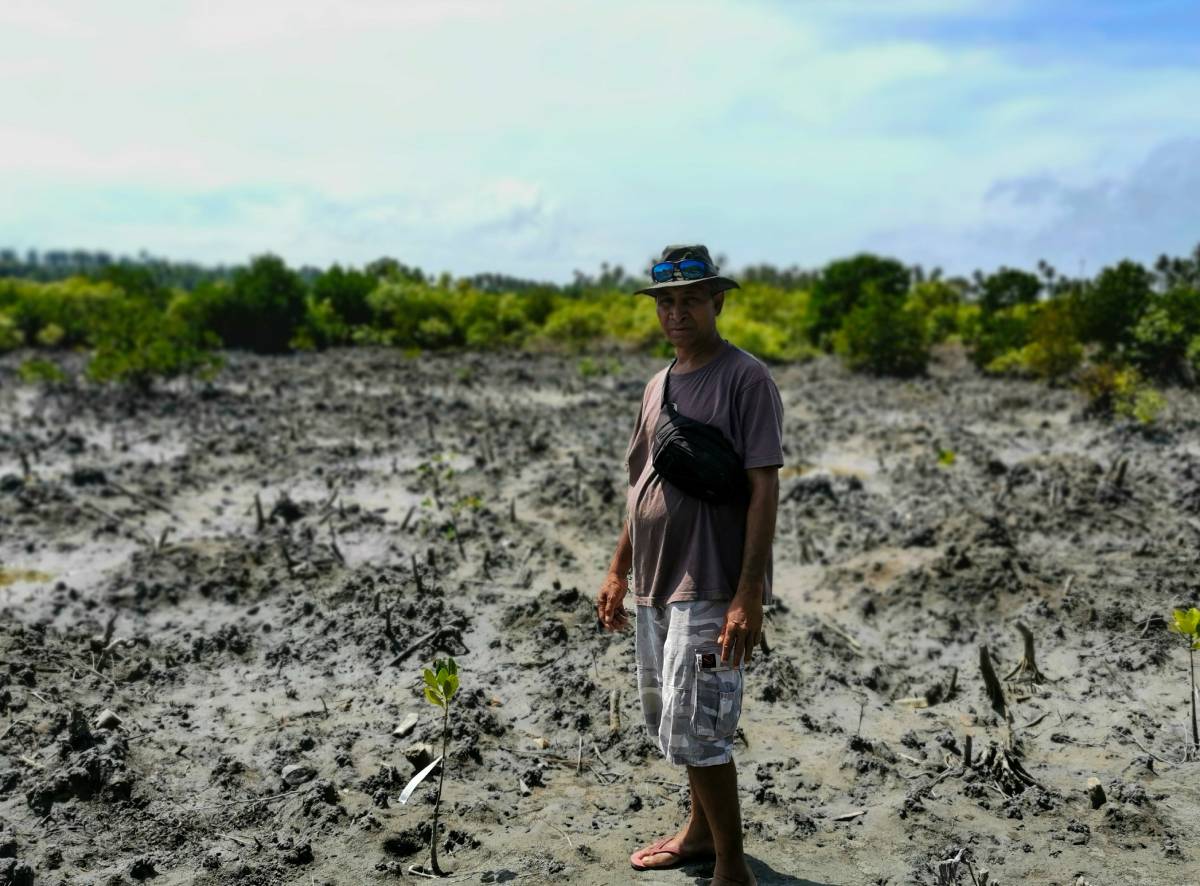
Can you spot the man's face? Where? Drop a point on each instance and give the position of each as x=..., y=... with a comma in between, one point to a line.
x=688, y=314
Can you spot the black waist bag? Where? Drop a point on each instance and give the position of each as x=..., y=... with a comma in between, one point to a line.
x=695, y=457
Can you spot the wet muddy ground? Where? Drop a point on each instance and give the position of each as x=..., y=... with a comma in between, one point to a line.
x=195, y=688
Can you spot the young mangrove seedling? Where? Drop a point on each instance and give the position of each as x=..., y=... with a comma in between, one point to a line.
x=441, y=683
x=1187, y=623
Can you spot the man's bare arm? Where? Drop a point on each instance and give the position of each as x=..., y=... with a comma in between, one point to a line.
x=743, y=621
x=610, y=602
x=760, y=529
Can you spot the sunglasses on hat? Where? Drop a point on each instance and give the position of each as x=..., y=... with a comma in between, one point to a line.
x=684, y=269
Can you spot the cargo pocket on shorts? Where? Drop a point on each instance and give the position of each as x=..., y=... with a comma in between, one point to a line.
x=717, y=699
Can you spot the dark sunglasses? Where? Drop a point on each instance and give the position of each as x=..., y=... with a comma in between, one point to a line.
x=684, y=269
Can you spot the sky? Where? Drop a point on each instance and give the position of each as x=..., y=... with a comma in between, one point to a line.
x=536, y=138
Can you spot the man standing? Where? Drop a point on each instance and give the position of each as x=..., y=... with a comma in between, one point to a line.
x=701, y=570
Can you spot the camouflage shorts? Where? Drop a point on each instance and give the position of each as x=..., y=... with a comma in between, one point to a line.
x=691, y=701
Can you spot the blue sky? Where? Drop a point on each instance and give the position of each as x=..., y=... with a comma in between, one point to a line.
x=535, y=138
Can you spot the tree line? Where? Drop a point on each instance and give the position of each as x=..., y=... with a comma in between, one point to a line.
x=1116, y=334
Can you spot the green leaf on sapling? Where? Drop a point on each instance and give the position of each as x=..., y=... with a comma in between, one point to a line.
x=434, y=698
x=1186, y=621
x=451, y=686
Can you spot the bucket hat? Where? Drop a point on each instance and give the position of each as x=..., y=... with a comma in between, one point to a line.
x=678, y=253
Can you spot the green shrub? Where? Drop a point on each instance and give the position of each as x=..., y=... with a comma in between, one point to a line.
x=323, y=327
x=768, y=322
x=50, y=335
x=10, y=334
x=135, y=281
x=74, y=306
x=1113, y=390
x=1110, y=307
x=996, y=333
x=968, y=319
x=590, y=368
x=1008, y=288
x=134, y=344
x=938, y=303
x=842, y=284
x=259, y=310
x=38, y=371
x=415, y=314
x=1163, y=333
x=577, y=323
x=434, y=333
x=345, y=292
x=1052, y=350
x=1193, y=357
x=490, y=320
x=882, y=338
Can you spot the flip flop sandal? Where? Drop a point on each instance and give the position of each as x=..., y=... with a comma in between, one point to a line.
x=658, y=847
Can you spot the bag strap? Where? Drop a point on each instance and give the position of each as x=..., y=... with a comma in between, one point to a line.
x=666, y=386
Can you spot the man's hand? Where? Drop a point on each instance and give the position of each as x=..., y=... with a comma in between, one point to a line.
x=743, y=626
x=610, y=602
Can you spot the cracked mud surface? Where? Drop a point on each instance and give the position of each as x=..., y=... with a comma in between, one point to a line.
x=477, y=498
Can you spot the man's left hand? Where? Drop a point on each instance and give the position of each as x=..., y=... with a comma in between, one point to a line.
x=743, y=626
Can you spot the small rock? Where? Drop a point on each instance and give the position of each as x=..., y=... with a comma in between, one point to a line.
x=407, y=725
x=294, y=851
x=1095, y=792
x=301, y=854
x=296, y=774
x=419, y=755
x=107, y=719
x=88, y=476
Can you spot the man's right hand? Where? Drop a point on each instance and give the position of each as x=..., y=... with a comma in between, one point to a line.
x=610, y=603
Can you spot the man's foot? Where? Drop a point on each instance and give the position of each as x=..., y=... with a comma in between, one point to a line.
x=670, y=852
x=747, y=878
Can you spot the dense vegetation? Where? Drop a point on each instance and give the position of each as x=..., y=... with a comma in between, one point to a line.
x=1115, y=335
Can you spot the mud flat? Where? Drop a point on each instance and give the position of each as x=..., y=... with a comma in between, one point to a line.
x=169, y=649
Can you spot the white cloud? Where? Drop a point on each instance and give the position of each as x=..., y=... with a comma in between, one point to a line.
x=537, y=137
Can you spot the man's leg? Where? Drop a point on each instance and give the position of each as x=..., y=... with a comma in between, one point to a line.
x=696, y=727
x=694, y=838
x=714, y=789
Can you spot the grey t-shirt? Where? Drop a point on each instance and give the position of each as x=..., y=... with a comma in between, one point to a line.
x=685, y=548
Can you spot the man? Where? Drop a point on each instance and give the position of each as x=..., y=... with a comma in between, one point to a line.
x=701, y=571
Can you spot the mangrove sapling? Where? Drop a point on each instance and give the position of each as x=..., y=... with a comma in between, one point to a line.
x=1187, y=623
x=441, y=683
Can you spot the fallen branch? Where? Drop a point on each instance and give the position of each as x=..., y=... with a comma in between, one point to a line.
x=853, y=643
x=268, y=799
x=142, y=497
x=436, y=634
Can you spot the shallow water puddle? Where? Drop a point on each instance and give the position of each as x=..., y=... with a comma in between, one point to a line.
x=840, y=461
x=10, y=576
